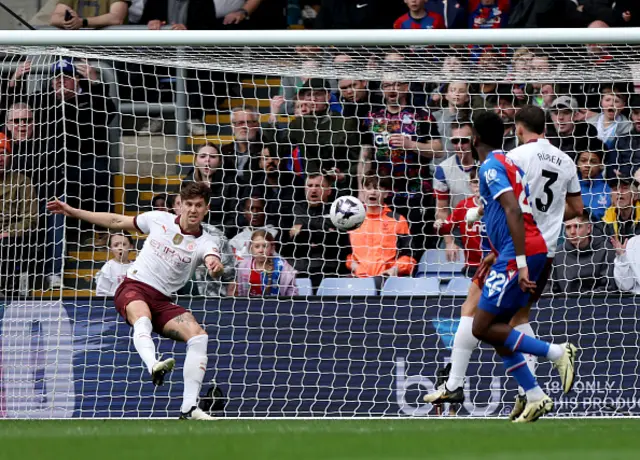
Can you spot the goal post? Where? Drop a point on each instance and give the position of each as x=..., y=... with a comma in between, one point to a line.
x=112, y=120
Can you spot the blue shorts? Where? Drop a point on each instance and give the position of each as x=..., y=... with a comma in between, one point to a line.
x=501, y=294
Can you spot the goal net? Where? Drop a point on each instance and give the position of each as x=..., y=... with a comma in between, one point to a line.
x=338, y=324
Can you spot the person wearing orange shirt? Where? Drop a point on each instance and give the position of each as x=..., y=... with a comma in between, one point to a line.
x=381, y=246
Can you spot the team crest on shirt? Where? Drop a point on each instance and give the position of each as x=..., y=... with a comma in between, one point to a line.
x=191, y=246
x=177, y=239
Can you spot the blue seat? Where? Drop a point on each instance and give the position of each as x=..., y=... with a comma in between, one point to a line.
x=347, y=287
x=396, y=286
x=434, y=261
x=304, y=286
x=457, y=286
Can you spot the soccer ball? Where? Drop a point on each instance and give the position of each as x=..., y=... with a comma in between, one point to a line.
x=347, y=213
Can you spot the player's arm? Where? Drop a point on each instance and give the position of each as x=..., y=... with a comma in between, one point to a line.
x=515, y=222
x=102, y=219
x=573, y=207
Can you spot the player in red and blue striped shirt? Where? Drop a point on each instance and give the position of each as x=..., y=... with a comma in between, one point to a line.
x=419, y=17
x=521, y=256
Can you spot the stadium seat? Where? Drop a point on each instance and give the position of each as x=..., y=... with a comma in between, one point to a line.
x=347, y=287
x=304, y=286
x=435, y=261
x=457, y=286
x=396, y=286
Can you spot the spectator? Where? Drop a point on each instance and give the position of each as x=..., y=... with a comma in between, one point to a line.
x=470, y=234
x=274, y=185
x=247, y=142
x=159, y=202
x=451, y=181
x=114, y=270
x=406, y=140
x=622, y=219
x=596, y=194
x=355, y=95
x=419, y=17
x=381, y=246
x=317, y=244
x=624, y=158
x=356, y=14
x=265, y=273
x=626, y=265
x=220, y=286
x=488, y=14
x=18, y=220
x=174, y=204
x=224, y=190
x=507, y=106
x=76, y=14
x=78, y=149
x=585, y=263
x=568, y=133
x=30, y=156
x=321, y=140
x=255, y=217
x=611, y=122
x=615, y=13
x=457, y=110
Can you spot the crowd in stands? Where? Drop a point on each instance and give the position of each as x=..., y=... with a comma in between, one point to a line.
x=404, y=148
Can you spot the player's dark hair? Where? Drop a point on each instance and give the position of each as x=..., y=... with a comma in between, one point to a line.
x=372, y=181
x=489, y=129
x=532, y=118
x=191, y=190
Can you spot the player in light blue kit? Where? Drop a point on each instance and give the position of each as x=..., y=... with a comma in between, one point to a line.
x=521, y=256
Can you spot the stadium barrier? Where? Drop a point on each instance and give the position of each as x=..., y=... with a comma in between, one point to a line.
x=364, y=357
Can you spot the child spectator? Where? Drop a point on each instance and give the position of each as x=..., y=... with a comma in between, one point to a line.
x=471, y=234
x=622, y=219
x=265, y=273
x=457, y=110
x=611, y=123
x=381, y=246
x=255, y=218
x=596, y=193
x=173, y=204
x=114, y=270
x=419, y=17
x=159, y=202
x=488, y=14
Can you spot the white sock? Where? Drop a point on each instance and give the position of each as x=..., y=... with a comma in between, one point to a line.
x=463, y=345
x=535, y=394
x=195, y=365
x=532, y=360
x=144, y=343
x=555, y=352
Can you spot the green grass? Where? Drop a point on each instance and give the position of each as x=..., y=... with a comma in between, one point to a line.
x=321, y=439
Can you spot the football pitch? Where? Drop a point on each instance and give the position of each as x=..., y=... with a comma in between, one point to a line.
x=320, y=439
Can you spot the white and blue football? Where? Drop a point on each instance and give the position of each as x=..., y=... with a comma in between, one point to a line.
x=347, y=213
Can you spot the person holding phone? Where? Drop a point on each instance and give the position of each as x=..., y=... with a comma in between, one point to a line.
x=77, y=14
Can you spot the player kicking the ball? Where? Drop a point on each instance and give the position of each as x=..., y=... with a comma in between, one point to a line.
x=552, y=179
x=171, y=253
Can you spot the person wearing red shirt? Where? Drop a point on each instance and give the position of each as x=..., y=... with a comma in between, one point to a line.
x=419, y=17
x=470, y=233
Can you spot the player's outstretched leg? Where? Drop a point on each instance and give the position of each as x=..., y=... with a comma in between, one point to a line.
x=143, y=343
x=464, y=343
